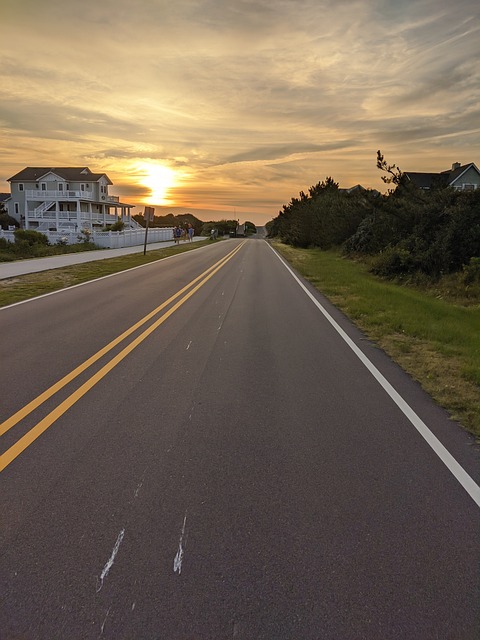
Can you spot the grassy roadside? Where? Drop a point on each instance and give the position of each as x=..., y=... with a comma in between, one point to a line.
x=437, y=342
x=35, y=284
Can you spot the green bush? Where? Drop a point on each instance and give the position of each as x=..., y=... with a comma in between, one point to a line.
x=7, y=221
x=30, y=237
x=393, y=262
x=471, y=271
x=116, y=226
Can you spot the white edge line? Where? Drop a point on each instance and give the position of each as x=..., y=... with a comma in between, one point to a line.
x=81, y=284
x=445, y=456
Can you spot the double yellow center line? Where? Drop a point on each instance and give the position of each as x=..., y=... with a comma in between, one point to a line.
x=189, y=290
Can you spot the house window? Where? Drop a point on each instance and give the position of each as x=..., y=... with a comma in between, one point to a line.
x=469, y=187
x=44, y=186
x=20, y=186
x=67, y=187
x=17, y=211
x=60, y=187
x=82, y=187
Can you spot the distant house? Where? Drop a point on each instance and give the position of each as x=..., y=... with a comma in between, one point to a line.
x=359, y=189
x=465, y=177
x=64, y=199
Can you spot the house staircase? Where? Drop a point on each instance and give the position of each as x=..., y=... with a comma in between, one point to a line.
x=45, y=206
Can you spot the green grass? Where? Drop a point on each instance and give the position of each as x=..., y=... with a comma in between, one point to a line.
x=35, y=284
x=435, y=340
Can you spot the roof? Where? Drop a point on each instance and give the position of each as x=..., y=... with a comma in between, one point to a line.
x=454, y=174
x=425, y=180
x=71, y=174
x=443, y=178
x=4, y=196
x=358, y=188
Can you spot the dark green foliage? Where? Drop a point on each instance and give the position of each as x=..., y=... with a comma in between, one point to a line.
x=395, y=175
x=408, y=231
x=224, y=227
x=439, y=229
x=7, y=221
x=32, y=244
x=471, y=271
x=170, y=220
x=327, y=216
x=119, y=225
x=30, y=237
x=28, y=244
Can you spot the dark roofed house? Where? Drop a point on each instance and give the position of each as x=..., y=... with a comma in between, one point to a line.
x=465, y=176
x=64, y=199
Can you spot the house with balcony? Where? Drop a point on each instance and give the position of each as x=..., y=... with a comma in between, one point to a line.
x=65, y=199
x=459, y=177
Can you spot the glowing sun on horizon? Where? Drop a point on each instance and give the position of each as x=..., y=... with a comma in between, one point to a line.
x=159, y=179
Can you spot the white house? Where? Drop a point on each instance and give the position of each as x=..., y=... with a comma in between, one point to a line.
x=465, y=176
x=64, y=199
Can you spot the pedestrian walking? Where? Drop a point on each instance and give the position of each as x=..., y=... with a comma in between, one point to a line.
x=177, y=234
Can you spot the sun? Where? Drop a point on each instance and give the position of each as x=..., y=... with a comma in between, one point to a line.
x=159, y=179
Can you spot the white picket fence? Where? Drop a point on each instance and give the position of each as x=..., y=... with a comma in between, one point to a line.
x=105, y=239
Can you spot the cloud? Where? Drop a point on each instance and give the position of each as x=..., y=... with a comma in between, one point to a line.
x=250, y=99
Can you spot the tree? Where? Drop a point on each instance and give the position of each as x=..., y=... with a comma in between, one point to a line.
x=7, y=220
x=396, y=176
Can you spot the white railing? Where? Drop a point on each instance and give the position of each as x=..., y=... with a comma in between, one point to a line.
x=104, y=239
x=66, y=195
x=43, y=207
x=71, y=195
x=41, y=213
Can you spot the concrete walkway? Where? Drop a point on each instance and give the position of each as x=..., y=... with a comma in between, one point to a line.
x=22, y=267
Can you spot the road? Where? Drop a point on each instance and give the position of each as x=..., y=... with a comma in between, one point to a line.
x=205, y=448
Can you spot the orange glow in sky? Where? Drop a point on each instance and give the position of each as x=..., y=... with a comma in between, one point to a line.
x=159, y=179
x=234, y=107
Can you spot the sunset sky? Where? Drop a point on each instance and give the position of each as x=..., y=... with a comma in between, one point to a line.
x=228, y=108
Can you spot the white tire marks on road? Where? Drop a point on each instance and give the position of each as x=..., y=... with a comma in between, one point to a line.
x=111, y=560
x=178, y=560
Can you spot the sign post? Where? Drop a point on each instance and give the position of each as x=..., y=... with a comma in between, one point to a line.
x=149, y=217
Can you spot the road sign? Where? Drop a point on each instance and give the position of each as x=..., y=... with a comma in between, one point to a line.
x=149, y=214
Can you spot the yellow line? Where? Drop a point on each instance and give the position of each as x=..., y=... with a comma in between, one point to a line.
x=48, y=393
x=15, y=450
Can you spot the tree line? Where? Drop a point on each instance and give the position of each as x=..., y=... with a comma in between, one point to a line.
x=407, y=230
x=224, y=227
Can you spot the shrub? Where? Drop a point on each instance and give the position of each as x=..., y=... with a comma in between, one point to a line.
x=7, y=221
x=30, y=237
x=471, y=271
x=393, y=262
x=84, y=236
x=116, y=226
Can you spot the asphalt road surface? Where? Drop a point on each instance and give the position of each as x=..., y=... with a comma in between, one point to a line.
x=204, y=448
